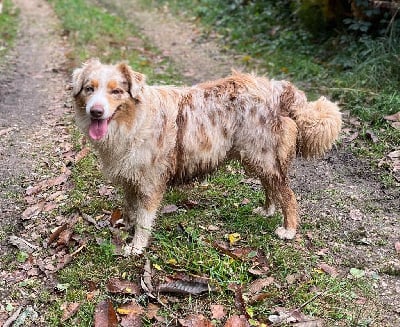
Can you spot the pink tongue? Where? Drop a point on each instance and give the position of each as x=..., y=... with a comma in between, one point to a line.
x=98, y=128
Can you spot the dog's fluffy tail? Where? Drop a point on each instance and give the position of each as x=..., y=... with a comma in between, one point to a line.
x=319, y=124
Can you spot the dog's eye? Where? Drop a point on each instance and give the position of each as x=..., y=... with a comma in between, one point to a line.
x=89, y=89
x=117, y=91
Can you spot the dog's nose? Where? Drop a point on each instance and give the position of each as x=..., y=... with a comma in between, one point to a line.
x=96, y=111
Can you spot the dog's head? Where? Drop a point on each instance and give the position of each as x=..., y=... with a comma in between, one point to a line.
x=104, y=93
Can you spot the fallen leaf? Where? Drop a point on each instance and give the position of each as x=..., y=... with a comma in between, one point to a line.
x=186, y=285
x=105, y=190
x=105, y=315
x=310, y=323
x=117, y=285
x=322, y=252
x=22, y=244
x=130, y=309
x=195, y=321
x=6, y=131
x=394, y=154
x=217, y=311
x=212, y=228
x=43, y=185
x=239, y=300
x=171, y=208
x=131, y=321
x=331, y=271
x=152, y=310
x=69, y=310
x=351, y=137
x=245, y=201
x=257, y=285
x=65, y=237
x=116, y=218
x=237, y=321
x=33, y=210
x=233, y=238
x=397, y=247
x=372, y=136
x=81, y=154
x=395, y=117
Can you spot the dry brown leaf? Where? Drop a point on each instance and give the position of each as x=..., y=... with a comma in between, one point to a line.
x=237, y=321
x=239, y=300
x=152, y=310
x=56, y=233
x=170, y=208
x=43, y=185
x=395, y=125
x=117, y=285
x=115, y=218
x=372, y=136
x=33, y=210
x=186, y=285
x=397, y=247
x=217, y=311
x=195, y=321
x=82, y=154
x=331, y=271
x=322, y=252
x=105, y=315
x=69, y=309
x=395, y=117
x=65, y=237
x=131, y=321
x=257, y=285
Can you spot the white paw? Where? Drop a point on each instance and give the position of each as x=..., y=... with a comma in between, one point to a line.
x=132, y=250
x=285, y=234
x=265, y=212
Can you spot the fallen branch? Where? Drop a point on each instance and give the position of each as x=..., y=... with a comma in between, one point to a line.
x=12, y=318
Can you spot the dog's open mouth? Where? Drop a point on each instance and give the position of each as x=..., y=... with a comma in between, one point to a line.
x=98, y=127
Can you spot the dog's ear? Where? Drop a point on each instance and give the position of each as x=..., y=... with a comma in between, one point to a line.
x=78, y=75
x=135, y=80
x=77, y=81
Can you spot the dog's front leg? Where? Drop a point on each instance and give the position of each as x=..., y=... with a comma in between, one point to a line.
x=130, y=206
x=147, y=206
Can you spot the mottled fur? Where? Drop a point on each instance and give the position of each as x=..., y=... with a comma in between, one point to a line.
x=162, y=135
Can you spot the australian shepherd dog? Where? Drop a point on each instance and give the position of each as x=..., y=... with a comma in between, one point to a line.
x=150, y=137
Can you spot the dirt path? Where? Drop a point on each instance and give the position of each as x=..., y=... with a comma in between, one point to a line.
x=32, y=97
x=341, y=197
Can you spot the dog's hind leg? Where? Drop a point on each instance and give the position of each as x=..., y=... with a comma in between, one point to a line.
x=278, y=191
x=288, y=203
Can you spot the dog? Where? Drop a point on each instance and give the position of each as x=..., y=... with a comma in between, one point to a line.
x=150, y=137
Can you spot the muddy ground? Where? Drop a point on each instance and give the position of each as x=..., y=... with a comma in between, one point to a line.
x=341, y=191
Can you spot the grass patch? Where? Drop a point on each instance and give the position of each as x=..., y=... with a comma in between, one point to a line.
x=8, y=27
